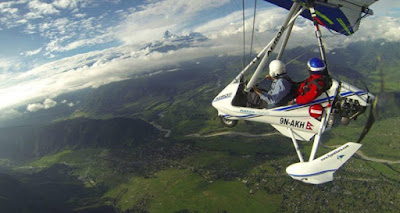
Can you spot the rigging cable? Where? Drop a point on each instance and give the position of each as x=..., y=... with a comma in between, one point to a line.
x=244, y=37
x=252, y=34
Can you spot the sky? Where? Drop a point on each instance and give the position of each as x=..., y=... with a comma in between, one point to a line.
x=51, y=47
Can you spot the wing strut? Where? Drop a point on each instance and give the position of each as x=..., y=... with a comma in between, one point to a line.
x=286, y=39
x=293, y=14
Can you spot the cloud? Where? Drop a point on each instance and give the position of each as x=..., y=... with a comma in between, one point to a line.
x=47, y=104
x=149, y=22
x=42, y=8
x=32, y=52
x=5, y=64
x=386, y=8
x=34, y=107
x=90, y=70
x=60, y=30
x=71, y=104
x=387, y=28
x=229, y=29
x=70, y=34
x=10, y=14
x=8, y=64
x=67, y=4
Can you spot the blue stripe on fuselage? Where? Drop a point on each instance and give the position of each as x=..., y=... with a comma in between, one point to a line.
x=309, y=175
x=242, y=116
x=288, y=108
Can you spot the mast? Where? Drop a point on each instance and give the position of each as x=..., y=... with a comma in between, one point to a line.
x=318, y=33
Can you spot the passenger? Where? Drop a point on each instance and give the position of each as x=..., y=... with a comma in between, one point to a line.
x=277, y=93
x=312, y=87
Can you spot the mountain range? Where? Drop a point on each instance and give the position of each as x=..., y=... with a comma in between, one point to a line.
x=173, y=42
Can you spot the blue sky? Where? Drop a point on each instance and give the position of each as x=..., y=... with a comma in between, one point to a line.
x=50, y=47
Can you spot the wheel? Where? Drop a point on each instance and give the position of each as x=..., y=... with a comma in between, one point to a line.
x=228, y=123
x=345, y=121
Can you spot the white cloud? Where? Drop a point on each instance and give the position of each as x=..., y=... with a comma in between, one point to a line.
x=42, y=8
x=380, y=28
x=32, y=52
x=152, y=20
x=89, y=70
x=33, y=15
x=9, y=15
x=60, y=33
x=386, y=8
x=11, y=11
x=70, y=104
x=80, y=15
x=34, y=107
x=8, y=64
x=100, y=39
x=64, y=4
x=67, y=34
x=5, y=64
x=227, y=28
x=48, y=103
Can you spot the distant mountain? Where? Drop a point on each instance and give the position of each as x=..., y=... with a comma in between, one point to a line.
x=173, y=42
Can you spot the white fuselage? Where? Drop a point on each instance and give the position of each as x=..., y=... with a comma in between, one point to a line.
x=295, y=117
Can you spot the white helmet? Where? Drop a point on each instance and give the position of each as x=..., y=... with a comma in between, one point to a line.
x=276, y=67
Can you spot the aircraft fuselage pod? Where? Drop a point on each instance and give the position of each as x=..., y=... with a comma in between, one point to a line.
x=341, y=97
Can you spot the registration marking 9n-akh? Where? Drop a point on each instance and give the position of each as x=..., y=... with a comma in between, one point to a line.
x=296, y=124
x=293, y=123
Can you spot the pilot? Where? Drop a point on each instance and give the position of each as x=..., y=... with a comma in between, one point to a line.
x=279, y=91
x=312, y=87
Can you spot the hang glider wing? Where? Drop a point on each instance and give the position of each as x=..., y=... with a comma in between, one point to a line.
x=342, y=16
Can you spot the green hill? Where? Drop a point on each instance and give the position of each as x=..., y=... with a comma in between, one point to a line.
x=27, y=142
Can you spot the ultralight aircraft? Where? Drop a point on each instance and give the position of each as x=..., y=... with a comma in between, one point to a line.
x=306, y=121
